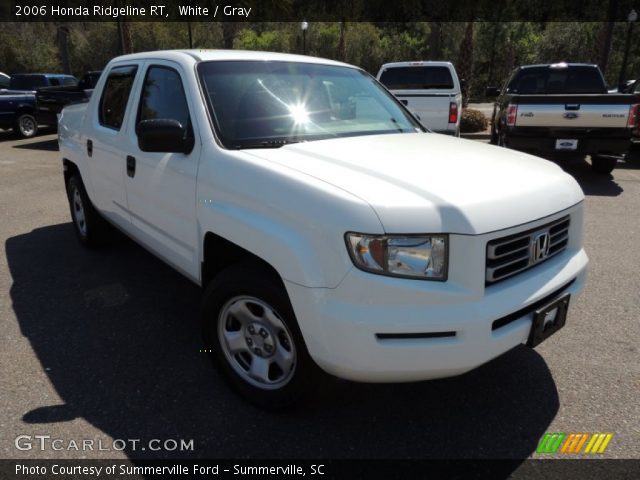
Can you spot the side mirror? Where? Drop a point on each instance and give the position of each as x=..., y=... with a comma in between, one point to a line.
x=463, y=83
x=163, y=135
x=492, y=92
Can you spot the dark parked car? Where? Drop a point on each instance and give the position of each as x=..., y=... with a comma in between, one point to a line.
x=17, y=111
x=51, y=100
x=634, y=89
x=565, y=110
x=18, y=103
x=4, y=81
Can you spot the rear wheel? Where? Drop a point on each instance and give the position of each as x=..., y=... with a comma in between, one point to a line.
x=502, y=140
x=251, y=330
x=603, y=165
x=494, y=136
x=91, y=229
x=26, y=125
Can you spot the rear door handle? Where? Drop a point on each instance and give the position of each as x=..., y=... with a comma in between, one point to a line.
x=89, y=147
x=131, y=166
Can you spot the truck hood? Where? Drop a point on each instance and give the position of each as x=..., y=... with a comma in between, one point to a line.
x=419, y=183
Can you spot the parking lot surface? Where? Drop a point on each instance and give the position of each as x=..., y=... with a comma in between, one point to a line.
x=106, y=345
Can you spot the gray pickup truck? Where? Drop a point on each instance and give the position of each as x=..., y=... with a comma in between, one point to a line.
x=563, y=110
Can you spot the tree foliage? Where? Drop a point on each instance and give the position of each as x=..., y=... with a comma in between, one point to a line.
x=491, y=49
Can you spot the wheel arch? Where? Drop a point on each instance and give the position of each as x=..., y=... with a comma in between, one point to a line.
x=219, y=253
x=69, y=169
x=30, y=109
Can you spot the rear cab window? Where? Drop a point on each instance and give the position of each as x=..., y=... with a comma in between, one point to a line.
x=27, y=82
x=417, y=78
x=545, y=80
x=115, y=96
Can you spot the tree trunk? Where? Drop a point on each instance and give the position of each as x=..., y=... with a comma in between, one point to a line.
x=63, y=48
x=342, y=48
x=229, y=31
x=465, y=63
x=127, y=38
x=605, y=36
x=435, y=41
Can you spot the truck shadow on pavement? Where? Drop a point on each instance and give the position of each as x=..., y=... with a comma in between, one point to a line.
x=593, y=183
x=116, y=332
x=43, y=145
x=10, y=135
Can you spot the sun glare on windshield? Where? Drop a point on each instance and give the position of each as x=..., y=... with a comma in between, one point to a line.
x=299, y=113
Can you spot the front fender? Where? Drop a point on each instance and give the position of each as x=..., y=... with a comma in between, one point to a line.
x=290, y=220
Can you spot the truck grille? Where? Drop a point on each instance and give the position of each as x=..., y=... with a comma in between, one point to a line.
x=507, y=256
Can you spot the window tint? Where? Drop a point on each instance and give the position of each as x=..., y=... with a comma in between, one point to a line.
x=282, y=102
x=27, y=82
x=546, y=80
x=416, y=78
x=89, y=80
x=69, y=81
x=163, y=96
x=115, y=96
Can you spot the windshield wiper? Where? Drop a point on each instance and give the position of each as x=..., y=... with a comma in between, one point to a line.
x=264, y=144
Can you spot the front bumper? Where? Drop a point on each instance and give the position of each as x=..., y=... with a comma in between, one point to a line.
x=381, y=329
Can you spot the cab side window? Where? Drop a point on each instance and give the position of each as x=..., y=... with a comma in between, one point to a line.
x=163, y=96
x=115, y=96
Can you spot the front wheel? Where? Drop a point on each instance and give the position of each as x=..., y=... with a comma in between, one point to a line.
x=251, y=332
x=26, y=125
x=603, y=165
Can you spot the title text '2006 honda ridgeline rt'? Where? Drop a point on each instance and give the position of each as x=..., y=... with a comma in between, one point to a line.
x=329, y=230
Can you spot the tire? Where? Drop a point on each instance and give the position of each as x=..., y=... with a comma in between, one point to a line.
x=603, y=165
x=252, y=336
x=502, y=140
x=26, y=126
x=91, y=229
x=494, y=136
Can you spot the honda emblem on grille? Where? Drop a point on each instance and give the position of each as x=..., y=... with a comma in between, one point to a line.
x=540, y=247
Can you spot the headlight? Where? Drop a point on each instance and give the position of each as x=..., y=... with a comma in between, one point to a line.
x=413, y=256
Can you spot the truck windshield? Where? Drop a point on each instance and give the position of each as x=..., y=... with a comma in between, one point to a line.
x=258, y=104
x=549, y=80
x=417, y=78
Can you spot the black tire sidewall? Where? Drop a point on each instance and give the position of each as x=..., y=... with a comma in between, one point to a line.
x=494, y=136
x=74, y=184
x=98, y=230
x=257, y=282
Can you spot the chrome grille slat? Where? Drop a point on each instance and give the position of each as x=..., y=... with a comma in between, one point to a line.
x=510, y=255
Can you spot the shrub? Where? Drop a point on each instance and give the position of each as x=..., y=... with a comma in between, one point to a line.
x=473, y=121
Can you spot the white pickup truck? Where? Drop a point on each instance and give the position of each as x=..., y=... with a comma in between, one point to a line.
x=430, y=89
x=329, y=231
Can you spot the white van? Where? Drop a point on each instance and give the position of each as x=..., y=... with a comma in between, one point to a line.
x=431, y=90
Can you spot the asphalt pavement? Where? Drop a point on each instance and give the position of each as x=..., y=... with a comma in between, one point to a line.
x=105, y=345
